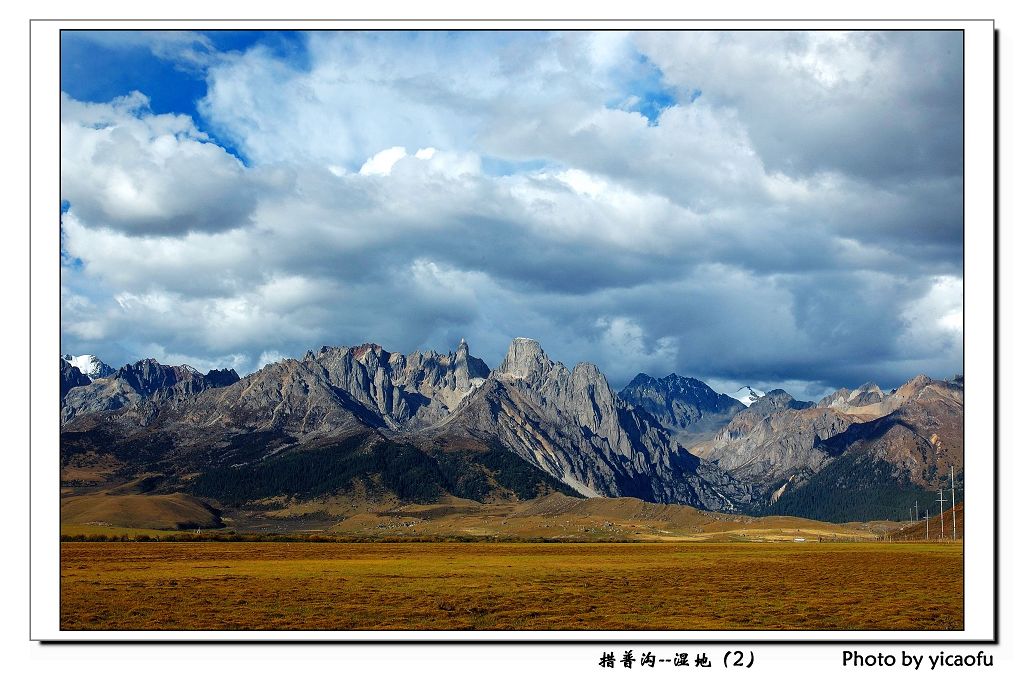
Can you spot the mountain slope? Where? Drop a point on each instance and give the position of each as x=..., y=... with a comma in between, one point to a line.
x=921, y=437
x=770, y=449
x=933, y=528
x=70, y=377
x=877, y=467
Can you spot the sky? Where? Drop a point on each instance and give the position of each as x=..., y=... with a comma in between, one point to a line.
x=779, y=209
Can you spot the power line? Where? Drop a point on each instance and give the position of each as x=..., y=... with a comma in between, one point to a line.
x=942, y=523
x=952, y=488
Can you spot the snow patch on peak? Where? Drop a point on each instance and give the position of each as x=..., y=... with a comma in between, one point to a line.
x=746, y=395
x=89, y=365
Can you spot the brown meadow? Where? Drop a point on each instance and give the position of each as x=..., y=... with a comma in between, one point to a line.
x=481, y=586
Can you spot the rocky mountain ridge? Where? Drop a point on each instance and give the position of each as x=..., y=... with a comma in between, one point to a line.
x=460, y=428
x=146, y=381
x=901, y=442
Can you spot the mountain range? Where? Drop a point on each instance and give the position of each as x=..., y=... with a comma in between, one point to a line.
x=365, y=423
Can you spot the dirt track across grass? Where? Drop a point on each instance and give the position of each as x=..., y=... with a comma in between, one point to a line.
x=477, y=586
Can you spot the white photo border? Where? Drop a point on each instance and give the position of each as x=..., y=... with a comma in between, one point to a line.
x=981, y=548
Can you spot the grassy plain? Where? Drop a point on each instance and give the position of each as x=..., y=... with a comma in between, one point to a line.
x=483, y=586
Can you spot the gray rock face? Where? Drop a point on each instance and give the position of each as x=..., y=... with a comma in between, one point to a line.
x=526, y=361
x=679, y=403
x=406, y=391
x=572, y=425
x=904, y=447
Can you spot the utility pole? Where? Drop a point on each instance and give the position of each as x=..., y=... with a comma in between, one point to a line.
x=917, y=513
x=926, y=537
x=942, y=521
x=952, y=489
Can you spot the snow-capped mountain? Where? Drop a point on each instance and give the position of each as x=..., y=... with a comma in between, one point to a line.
x=746, y=395
x=89, y=365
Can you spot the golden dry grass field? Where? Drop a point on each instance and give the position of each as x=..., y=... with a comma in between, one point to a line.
x=484, y=586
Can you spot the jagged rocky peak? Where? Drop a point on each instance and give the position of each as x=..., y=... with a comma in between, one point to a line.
x=222, y=377
x=469, y=370
x=448, y=377
x=672, y=386
x=573, y=426
x=373, y=356
x=407, y=391
x=588, y=371
x=587, y=379
x=149, y=375
x=525, y=360
x=866, y=394
x=679, y=403
x=643, y=380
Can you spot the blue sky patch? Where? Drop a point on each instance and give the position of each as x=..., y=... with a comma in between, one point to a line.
x=98, y=66
x=644, y=90
x=95, y=72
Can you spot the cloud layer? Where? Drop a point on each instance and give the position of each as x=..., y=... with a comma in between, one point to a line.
x=766, y=208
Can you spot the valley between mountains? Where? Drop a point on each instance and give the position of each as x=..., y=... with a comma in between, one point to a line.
x=363, y=441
